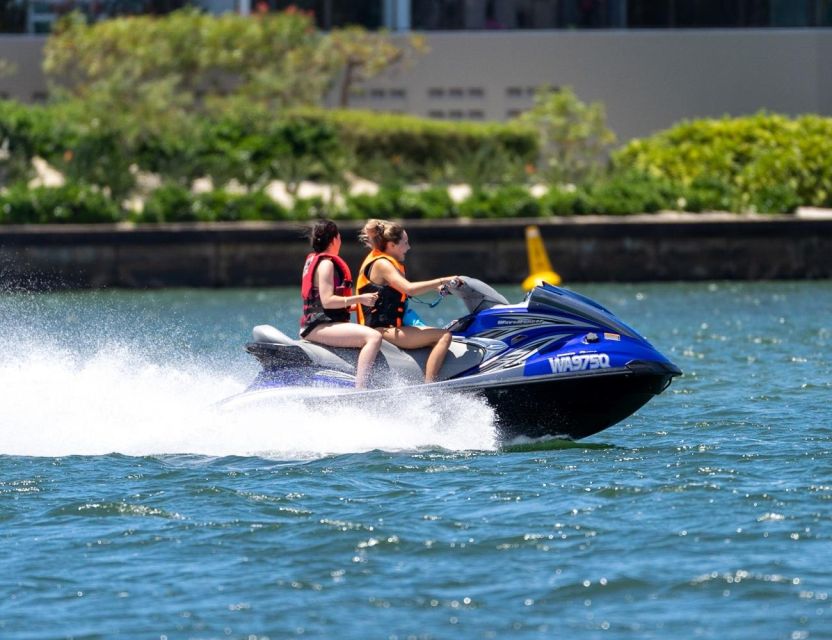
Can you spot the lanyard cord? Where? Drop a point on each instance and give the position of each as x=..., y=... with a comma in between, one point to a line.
x=439, y=299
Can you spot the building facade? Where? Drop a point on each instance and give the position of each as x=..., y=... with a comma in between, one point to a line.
x=651, y=62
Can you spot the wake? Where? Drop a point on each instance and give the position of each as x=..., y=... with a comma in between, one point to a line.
x=57, y=401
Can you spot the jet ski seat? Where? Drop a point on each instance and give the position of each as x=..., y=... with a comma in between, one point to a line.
x=268, y=333
x=408, y=364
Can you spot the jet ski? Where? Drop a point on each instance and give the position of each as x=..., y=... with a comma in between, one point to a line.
x=555, y=364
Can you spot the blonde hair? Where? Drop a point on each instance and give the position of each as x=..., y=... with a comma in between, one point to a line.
x=377, y=233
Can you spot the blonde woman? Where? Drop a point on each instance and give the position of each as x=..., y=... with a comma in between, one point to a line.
x=383, y=273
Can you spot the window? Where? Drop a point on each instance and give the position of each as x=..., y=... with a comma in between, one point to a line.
x=692, y=14
x=449, y=15
x=704, y=13
x=329, y=14
x=437, y=14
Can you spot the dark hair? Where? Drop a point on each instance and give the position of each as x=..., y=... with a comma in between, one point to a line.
x=322, y=234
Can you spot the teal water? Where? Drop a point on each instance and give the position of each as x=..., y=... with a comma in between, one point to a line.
x=129, y=508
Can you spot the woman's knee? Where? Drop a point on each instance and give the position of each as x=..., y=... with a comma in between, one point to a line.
x=373, y=338
x=444, y=340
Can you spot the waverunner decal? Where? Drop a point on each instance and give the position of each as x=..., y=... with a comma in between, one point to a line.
x=562, y=364
x=505, y=360
x=513, y=322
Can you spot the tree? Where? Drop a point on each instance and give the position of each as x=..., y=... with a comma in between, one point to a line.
x=363, y=55
x=190, y=92
x=574, y=138
x=194, y=61
x=190, y=60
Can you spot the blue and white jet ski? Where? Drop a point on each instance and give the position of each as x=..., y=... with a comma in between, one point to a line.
x=555, y=364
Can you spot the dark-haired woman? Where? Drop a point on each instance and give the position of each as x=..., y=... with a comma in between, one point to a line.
x=326, y=288
x=383, y=273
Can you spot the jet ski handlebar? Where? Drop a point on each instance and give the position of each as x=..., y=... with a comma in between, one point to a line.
x=475, y=294
x=453, y=283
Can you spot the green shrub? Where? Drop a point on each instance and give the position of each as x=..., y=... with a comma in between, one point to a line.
x=504, y=202
x=365, y=206
x=253, y=147
x=565, y=202
x=515, y=202
x=431, y=203
x=706, y=194
x=69, y=204
x=174, y=203
x=631, y=192
x=777, y=198
x=477, y=205
x=573, y=137
x=615, y=194
x=261, y=206
x=225, y=206
x=26, y=131
x=420, y=148
x=314, y=208
x=485, y=166
x=98, y=156
x=169, y=203
x=765, y=162
x=180, y=158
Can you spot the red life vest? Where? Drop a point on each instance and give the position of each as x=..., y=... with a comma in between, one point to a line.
x=313, y=309
x=391, y=303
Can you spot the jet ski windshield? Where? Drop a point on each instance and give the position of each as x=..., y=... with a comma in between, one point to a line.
x=475, y=294
x=554, y=300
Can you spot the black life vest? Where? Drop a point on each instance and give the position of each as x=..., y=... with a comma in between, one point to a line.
x=391, y=303
x=313, y=309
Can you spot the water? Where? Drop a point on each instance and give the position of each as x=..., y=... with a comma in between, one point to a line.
x=130, y=509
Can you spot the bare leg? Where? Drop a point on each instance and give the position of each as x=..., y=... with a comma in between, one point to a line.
x=437, y=357
x=347, y=334
x=416, y=337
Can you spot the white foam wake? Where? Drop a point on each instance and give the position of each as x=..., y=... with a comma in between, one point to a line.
x=56, y=402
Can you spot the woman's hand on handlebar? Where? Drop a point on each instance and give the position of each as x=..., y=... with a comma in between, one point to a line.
x=447, y=283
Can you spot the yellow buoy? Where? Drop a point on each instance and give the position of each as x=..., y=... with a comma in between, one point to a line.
x=540, y=269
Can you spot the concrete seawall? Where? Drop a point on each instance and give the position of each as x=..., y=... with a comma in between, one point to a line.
x=589, y=248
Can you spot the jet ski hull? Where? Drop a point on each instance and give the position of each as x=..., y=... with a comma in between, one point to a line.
x=574, y=407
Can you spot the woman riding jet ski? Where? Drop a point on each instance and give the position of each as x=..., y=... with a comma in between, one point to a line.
x=555, y=364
